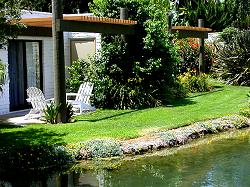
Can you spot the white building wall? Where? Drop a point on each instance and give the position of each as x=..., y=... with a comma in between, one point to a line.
x=47, y=61
x=47, y=57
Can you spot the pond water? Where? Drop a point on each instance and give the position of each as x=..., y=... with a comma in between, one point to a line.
x=220, y=162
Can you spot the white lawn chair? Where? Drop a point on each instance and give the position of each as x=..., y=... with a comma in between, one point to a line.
x=81, y=103
x=38, y=102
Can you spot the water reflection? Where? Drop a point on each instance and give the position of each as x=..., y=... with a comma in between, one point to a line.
x=222, y=163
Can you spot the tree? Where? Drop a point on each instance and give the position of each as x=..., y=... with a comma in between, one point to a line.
x=135, y=71
x=9, y=10
x=217, y=14
x=69, y=6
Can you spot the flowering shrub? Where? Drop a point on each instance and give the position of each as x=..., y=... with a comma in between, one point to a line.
x=189, y=52
x=195, y=83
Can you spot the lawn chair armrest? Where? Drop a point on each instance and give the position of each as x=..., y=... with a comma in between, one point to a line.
x=50, y=100
x=71, y=94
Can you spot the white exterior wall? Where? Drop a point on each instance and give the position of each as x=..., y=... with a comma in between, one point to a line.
x=47, y=62
x=78, y=35
x=47, y=57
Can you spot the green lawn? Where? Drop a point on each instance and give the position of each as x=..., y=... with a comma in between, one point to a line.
x=125, y=124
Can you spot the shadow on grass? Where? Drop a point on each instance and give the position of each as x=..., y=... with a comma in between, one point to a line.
x=8, y=126
x=28, y=155
x=181, y=102
x=107, y=116
x=31, y=136
x=219, y=89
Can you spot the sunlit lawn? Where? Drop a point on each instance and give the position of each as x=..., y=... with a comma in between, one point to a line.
x=125, y=124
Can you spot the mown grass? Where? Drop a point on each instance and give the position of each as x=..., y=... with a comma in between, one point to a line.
x=125, y=124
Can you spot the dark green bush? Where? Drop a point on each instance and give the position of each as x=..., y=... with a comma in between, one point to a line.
x=34, y=156
x=135, y=72
x=233, y=57
x=69, y=112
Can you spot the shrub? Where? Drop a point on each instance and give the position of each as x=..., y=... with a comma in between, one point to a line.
x=195, y=83
x=217, y=14
x=101, y=148
x=246, y=111
x=2, y=75
x=178, y=91
x=135, y=72
x=189, y=52
x=69, y=112
x=52, y=110
x=233, y=57
x=34, y=156
x=51, y=113
x=80, y=71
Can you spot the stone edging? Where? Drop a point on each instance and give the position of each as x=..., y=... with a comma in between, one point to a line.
x=166, y=139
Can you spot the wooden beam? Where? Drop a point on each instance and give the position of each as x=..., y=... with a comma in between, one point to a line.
x=35, y=31
x=202, y=49
x=101, y=27
x=189, y=28
x=190, y=33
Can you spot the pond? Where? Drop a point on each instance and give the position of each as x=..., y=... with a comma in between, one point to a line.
x=222, y=160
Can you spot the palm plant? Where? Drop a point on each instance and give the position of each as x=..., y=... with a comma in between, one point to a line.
x=217, y=14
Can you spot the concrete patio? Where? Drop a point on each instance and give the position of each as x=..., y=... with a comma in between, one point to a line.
x=18, y=118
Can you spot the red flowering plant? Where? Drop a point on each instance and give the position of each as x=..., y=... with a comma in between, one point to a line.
x=189, y=52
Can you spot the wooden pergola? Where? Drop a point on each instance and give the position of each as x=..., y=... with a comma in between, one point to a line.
x=193, y=32
x=80, y=23
x=57, y=24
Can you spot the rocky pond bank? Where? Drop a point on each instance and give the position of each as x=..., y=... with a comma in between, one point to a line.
x=46, y=156
x=101, y=148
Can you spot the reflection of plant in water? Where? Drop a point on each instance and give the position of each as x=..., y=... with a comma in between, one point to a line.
x=31, y=155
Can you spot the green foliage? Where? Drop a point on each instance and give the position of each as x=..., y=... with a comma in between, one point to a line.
x=101, y=148
x=189, y=52
x=69, y=112
x=38, y=156
x=176, y=92
x=9, y=10
x=217, y=14
x=246, y=111
x=136, y=71
x=233, y=57
x=228, y=34
x=2, y=75
x=52, y=110
x=195, y=83
x=80, y=71
x=51, y=113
